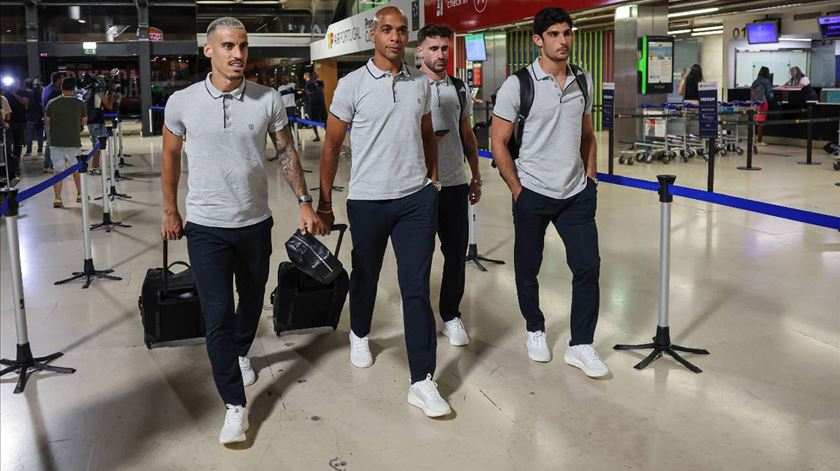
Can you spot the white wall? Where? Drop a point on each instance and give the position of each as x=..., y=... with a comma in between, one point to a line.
x=711, y=60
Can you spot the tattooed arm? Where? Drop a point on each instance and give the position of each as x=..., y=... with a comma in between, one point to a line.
x=293, y=173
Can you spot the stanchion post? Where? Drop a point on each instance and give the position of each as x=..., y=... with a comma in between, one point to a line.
x=297, y=133
x=106, y=223
x=710, y=183
x=611, y=143
x=89, y=272
x=809, y=145
x=750, y=139
x=662, y=341
x=472, y=248
x=121, y=152
x=151, y=126
x=113, y=153
x=24, y=362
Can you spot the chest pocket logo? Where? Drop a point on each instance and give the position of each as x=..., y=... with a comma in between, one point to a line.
x=250, y=127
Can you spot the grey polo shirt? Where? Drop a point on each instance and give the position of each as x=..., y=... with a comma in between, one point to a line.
x=549, y=160
x=447, y=114
x=386, y=142
x=225, y=140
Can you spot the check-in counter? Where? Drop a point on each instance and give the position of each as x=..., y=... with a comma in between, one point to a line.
x=790, y=99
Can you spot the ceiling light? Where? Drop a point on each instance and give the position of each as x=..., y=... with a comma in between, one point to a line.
x=708, y=28
x=679, y=31
x=795, y=39
x=699, y=11
x=82, y=21
x=707, y=33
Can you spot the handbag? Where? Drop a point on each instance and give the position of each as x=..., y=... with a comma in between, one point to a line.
x=313, y=258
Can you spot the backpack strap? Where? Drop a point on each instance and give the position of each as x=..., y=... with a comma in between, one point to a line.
x=526, y=100
x=461, y=91
x=580, y=78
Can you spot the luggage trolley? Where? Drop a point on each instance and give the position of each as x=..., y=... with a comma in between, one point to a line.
x=654, y=143
x=729, y=137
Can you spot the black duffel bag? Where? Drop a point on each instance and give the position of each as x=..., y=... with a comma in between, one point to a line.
x=313, y=258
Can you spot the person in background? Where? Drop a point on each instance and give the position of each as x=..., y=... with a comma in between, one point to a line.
x=314, y=90
x=287, y=95
x=97, y=104
x=34, y=118
x=761, y=94
x=5, y=116
x=801, y=81
x=689, y=87
x=18, y=101
x=50, y=91
x=65, y=116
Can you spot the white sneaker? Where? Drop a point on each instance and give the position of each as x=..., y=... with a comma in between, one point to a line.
x=454, y=329
x=424, y=394
x=360, y=355
x=248, y=375
x=538, y=347
x=586, y=358
x=236, y=424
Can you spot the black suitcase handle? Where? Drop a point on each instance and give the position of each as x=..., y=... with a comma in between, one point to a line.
x=341, y=228
x=166, y=267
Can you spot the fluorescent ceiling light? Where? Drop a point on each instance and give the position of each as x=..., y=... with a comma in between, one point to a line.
x=679, y=31
x=795, y=39
x=707, y=33
x=708, y=28
x=82, y=21
x=693, y=12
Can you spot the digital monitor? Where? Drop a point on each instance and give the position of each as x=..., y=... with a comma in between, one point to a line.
x=763, y=33
x=656, y=64
x=830, y=27
x=476, y=50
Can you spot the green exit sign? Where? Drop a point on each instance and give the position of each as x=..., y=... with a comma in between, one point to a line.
x=89, y=47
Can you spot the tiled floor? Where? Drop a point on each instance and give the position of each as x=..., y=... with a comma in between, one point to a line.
x=760, y=293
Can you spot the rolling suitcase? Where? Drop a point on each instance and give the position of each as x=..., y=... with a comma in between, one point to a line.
x=301, y=302
x=169, y=304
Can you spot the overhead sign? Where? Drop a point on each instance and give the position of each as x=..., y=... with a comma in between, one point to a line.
x=470, y=15
x=707, y=92
x=89, y=47
x=155, y=34
x=352, y=35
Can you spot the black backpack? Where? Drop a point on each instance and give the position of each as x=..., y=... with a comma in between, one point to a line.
x=94, y=114
x=526, y=99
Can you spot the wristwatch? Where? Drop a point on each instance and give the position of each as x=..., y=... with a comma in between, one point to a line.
x=304, y=199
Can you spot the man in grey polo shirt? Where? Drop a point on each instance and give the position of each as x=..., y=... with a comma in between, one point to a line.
x=224, y=120
x=451, y=111
x=392, y=194
x=553, y=181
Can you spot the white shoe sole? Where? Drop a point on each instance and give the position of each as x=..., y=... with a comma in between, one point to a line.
x=417, y=402
x=238, y=439
x=578, y=364
x=452, y=342
x=252, y=381
x=362, y=365
x=539, y=360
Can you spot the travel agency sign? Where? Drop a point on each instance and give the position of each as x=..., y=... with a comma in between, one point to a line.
x=468, y=15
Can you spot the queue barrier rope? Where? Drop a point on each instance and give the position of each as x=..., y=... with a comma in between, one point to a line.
x=49, y=182
x=783, y=212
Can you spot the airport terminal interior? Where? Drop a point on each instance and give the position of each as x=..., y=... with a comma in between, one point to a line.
x=752, y=271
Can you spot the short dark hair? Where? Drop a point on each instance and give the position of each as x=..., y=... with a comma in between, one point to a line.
x=433, y=31
x=68, y=84
x=550, y=16
x=55, y=77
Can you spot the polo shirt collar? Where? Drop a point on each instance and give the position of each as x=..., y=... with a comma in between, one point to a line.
x=539, y=73
x=215, y=93
x=378, y=73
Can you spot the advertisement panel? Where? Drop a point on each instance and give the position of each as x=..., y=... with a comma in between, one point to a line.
x=469, y=15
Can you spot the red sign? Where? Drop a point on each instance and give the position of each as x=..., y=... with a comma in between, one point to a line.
x=155, y=35
x=468, y=15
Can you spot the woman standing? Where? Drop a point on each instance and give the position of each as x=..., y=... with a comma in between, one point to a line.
x=761, y=94
x=689, y=88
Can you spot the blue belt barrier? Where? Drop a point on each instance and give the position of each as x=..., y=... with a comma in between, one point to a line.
x=307, y=122
x=159, y=108
x=784, y=212
x=34, y=190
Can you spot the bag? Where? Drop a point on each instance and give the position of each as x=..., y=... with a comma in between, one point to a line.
x=94, y=113
x=526, y=100
x=461, y=91
x=302, y=302
x=311, y=257
x=169, y=304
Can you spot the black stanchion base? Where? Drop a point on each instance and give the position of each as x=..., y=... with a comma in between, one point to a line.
x=662, y=345
x=474, y=257
x=335, y=188
x=809, y=163
x=107, y=223
x=89, y=273
x=113, y=194
x=119, y=177
x=124, y=164
x=749, y=168
x=24, y=362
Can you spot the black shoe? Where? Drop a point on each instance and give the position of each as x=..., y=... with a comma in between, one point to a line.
x=317, y=139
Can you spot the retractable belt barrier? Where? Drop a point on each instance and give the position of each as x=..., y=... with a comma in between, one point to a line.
x=784, y=212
